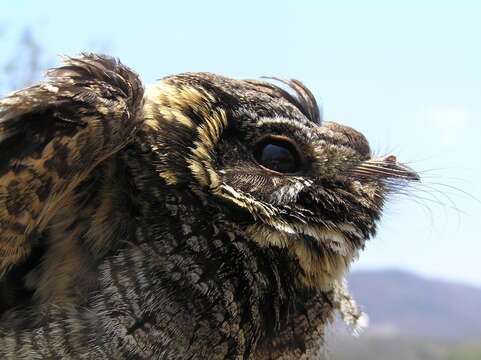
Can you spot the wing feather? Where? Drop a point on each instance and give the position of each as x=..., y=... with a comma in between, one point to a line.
x=51, y=137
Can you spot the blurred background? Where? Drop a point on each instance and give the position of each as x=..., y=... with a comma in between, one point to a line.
x=406, y=74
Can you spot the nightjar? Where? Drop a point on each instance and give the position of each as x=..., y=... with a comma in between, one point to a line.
x=199, y=218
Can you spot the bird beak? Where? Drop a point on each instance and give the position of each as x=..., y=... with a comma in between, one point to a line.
x=386, y=168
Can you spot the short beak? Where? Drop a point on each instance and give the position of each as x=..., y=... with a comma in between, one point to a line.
x=385, y=168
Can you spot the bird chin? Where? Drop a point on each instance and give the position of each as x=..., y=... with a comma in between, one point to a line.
x=324, y=255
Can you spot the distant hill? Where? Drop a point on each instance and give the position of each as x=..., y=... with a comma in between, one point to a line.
x=403, y=304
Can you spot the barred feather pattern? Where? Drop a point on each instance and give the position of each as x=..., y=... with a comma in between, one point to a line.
x=144, y=226
x=152, y=297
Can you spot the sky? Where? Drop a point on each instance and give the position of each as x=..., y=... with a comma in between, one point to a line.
x=406, y=74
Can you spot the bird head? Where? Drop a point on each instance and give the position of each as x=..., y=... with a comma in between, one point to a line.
x=262, y=155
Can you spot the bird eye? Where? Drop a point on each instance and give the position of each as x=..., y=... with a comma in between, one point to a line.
x=277, y=153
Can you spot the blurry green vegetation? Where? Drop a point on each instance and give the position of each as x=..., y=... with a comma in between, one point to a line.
x=471, y=351
x=402, y=348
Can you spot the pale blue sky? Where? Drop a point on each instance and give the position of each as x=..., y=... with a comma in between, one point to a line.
x=407, y=74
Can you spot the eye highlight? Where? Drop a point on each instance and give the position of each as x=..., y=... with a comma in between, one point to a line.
x=277, y=153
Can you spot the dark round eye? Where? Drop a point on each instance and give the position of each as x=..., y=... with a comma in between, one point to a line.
x=277, y=153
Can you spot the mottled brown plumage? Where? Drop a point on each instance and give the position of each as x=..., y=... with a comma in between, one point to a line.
x=208, y=218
